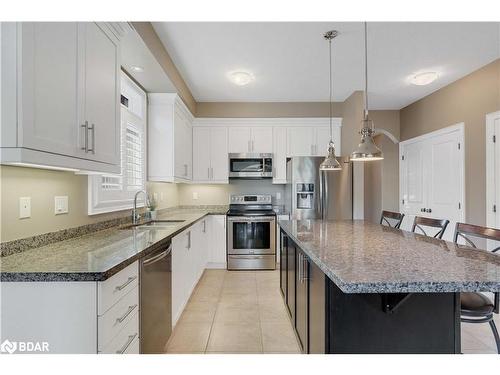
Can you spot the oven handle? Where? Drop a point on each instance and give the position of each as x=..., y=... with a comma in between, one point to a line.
x=251, y=219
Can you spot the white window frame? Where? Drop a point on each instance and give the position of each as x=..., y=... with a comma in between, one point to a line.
x=102, y=201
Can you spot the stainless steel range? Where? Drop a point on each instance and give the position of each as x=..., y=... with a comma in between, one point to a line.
x=251, y=233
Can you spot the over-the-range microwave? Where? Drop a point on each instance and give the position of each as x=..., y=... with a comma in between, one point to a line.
x=250, y=165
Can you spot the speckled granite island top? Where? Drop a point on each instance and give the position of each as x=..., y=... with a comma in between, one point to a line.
x=95, y=256
x=362, y=257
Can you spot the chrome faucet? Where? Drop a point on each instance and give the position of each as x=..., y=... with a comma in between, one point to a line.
x=135, y=216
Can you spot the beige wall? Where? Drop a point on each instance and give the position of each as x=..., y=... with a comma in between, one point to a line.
x=42, y=185
x=467, y=100
x=267, y=109
x=155, y=45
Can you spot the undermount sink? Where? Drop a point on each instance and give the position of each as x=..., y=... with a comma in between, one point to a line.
x=157, y=224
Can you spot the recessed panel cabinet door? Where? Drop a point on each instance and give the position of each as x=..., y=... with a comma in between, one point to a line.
x=201, y=154
x=279, y=154
x=322, y=134
x=218, y=155
x=262, y=139
x=101, y=93
x=49, y=87
x=239, y=139
x=300, y=141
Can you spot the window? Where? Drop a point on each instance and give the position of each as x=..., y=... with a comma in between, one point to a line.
x=113, y=192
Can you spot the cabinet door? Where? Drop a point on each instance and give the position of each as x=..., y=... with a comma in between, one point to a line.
x=239, y=139
x=290, y=301
x=317, y=322
x=322, y=138
x=300, y=141
x=219, y=155
x=218, y=246
x=101, y=92
x=283, y=264
x=49, y=72
x=302, y=300
x=262, y=140
x=201, y=154
x=182, y=146
x=279, y=154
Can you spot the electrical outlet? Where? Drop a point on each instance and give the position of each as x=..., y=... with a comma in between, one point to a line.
x=61, y=205
x=155, y=196
x=24, y=207
x=161, y=196
x=278, y=195
x=195, y=195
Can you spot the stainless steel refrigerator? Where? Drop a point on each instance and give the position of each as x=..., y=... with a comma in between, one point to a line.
x=314, y=194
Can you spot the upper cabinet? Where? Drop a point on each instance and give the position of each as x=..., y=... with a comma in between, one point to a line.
x=210, y=150
x=67, y=85
x=244, y=139
x=170, y=139
x=312, y=139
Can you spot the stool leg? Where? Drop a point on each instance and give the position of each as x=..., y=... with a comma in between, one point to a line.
x=495, y=333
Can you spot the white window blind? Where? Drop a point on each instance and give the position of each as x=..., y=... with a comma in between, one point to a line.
x=116, y=192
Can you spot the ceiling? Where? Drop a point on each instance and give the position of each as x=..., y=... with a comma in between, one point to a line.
x=135, y=53
x=290, y=60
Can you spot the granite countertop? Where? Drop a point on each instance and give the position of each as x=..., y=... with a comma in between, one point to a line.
x=362, y=257
x=98, y=255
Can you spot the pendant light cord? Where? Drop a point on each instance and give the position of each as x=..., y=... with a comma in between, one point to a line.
x=366, y=72
x=331, y=80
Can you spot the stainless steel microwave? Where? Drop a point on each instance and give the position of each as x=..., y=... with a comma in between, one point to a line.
x=250, y=165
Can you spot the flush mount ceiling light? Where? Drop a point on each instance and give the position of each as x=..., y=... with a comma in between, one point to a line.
x=422, y=79
x=330, y=163
x=241, y=78
x=367, y=149
x=138, y=69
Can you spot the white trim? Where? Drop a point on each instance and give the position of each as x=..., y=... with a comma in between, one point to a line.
x=460, y=128
x=388, y=134
x=266, y=121
x=490, y=169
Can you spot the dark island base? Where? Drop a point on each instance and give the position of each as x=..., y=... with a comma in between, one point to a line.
x=391, y=323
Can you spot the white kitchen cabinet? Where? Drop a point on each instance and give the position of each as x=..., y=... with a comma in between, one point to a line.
x=431, y=178
x=312, y=140
x=250, y=139
x=77, y=317
x=170, y=139
x=279, y=154
x=66, y=77
x=210, y=155
x=217, y=254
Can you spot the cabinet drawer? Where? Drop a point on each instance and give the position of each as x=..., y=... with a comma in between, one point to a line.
x=122, y=343
x=133, y=348
x=111, y=290
x=117, y=317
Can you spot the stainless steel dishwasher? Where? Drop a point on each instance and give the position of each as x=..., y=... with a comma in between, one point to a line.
x=156, y=300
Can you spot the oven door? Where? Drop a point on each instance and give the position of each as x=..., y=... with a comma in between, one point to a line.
x=251, y=235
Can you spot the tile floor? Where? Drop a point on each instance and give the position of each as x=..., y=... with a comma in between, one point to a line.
x=243, y=312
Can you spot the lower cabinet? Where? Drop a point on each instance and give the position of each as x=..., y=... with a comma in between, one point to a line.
x=303, y=288
x=203, y=245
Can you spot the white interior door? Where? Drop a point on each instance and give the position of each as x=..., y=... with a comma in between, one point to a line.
x=218, y=155
x=497, y=171
x=444, y=178
x=413, y=193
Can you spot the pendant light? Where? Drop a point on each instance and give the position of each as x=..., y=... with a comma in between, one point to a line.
x=367, y=149
x=330, y=163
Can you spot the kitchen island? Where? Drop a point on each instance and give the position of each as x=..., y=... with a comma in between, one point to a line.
x=359, y=287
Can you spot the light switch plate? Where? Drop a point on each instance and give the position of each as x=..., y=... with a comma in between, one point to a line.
x=24, y=207
x=161, y=197
x=195, y=195
x=61, y=205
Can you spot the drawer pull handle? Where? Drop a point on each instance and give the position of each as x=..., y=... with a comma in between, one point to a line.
x=129, y=280
x=129, y=341
x=130, y=309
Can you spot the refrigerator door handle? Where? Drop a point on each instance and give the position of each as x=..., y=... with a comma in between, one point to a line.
x=325, y=197
x=321, y=194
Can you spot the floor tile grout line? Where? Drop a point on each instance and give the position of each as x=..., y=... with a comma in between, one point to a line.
x=215, y=314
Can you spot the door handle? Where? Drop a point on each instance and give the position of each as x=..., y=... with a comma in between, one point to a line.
x=85, y=127
x=189, y=240
x=129, y=341
x=91, y=128
x=129, y=280
x=204, y=226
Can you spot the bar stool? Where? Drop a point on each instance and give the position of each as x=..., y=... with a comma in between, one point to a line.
x=388, y=215
x=476, y=307
x=420, y=221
